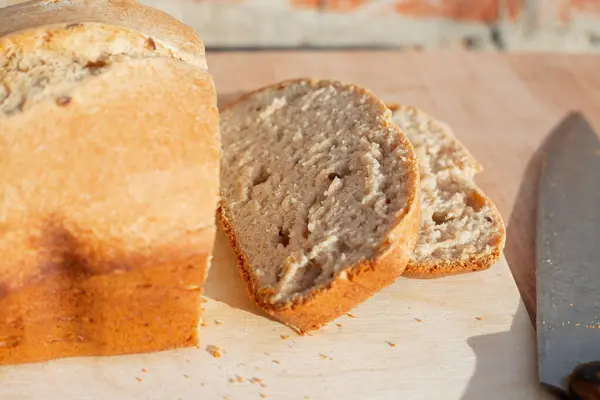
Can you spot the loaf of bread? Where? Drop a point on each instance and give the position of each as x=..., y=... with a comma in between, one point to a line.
x=319, y=198
x=109, y=158
x=461, y=229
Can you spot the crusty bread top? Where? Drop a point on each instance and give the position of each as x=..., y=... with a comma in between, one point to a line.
x=314, y=180
x=121, y=174
x=50, y=62
x=461, y=229
x=159, y=27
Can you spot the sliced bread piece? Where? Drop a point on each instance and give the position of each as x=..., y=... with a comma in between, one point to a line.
x=319, y=197
x=461, y=229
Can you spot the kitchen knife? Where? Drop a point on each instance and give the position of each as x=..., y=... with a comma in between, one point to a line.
x=568, y=261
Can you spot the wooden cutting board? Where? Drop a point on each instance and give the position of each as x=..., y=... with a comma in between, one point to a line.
x=466, y=337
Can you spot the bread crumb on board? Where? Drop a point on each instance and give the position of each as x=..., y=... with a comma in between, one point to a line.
x=217, y=322
x=263, y=395
x=144, y=370
x=137, y=378
x=478, y=318
x=351, y=315
x=339, y=325
x=276, y=362
x=391, y=344
x=418, y=320
x=325, y=356
x=186, y=376
x=284, y=337
x=214, y=351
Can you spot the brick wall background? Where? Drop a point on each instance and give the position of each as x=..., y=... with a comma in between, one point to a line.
x=510, y=25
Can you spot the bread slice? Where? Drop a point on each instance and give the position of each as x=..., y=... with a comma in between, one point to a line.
x=319, y=197
x=461, y=229
x=109, y=158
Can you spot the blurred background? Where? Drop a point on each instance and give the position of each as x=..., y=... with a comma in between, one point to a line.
x=415, y=25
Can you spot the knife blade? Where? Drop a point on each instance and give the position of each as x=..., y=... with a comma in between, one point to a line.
x=568, y=260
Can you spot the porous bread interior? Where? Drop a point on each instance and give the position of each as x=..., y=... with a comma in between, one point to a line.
x=36, y=65
x=458, y=222
x=312, y=182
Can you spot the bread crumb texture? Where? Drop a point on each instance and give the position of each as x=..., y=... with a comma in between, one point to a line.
x=461, y=229
x=312, y=183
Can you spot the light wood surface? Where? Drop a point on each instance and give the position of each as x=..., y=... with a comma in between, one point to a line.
x=465, y=337
x=500, y=106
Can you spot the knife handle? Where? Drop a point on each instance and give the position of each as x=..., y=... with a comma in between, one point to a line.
x=584, y=382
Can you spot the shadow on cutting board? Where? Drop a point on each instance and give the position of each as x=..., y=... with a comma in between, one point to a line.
x=499, y=353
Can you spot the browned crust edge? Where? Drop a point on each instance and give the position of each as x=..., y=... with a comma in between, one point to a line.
x=449, y=268
x=132, y=15
x=363, y=279
x=476, y=262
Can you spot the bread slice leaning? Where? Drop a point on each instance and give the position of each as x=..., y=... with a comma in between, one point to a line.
x=319, y=197
x=461, y=229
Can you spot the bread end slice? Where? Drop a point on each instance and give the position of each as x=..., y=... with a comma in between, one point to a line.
x=337, y=127
x=461, y=228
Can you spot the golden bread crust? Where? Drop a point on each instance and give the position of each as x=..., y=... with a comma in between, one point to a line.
x=107, y=213
x=68, y=315
x=155, y=24
x=117, y=175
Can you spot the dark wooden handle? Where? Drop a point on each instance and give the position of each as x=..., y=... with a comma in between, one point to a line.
x=584, y=382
